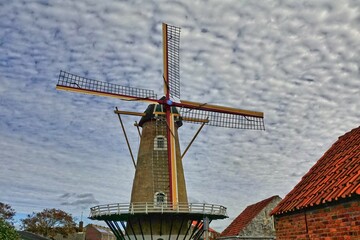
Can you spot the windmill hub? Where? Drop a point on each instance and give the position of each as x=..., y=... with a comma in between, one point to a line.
x=166, y=101
x=169, y=102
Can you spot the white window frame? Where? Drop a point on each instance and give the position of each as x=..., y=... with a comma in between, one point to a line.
x=156, y=199
x=157, y=139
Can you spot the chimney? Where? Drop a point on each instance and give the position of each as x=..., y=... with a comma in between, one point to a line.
x=81, y=226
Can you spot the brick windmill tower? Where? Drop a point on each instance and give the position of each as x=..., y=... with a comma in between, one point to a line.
x=159, y=208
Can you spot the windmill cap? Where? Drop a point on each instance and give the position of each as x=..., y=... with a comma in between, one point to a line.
x=155, y=110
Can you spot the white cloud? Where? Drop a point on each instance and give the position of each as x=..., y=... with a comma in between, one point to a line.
x=294, y=60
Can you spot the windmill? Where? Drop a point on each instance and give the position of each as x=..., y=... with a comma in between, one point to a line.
x=159, y=207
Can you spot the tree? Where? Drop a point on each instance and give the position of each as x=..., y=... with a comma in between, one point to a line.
x=7, y=230
x=6, y=212
x=49, y=222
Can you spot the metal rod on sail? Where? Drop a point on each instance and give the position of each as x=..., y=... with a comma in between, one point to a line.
x=192, y=140
x=126, y=138
x=137, y=126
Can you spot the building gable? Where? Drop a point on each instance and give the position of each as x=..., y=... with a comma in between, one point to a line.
x=241, y=224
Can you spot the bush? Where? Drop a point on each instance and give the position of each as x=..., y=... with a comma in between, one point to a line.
x=7, y=231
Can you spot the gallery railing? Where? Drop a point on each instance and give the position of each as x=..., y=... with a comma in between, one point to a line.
x=145, y=208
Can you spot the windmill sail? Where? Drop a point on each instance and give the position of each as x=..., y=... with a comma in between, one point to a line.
x=171, y=51
x=74, y=83
x=221, y=116
x=220, y=119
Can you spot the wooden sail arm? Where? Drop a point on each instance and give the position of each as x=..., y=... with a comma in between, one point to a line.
x=221, y=116
x=105, y=94
x=74, y=83
x=199, y=120
x=130, y=113
x=217, y=108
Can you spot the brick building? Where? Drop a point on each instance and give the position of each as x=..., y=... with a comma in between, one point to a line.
x=95, y=232
x=325, y=204
x=254, y=222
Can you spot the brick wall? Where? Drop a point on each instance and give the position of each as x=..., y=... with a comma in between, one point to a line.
x=336, y=222
x=92, y=233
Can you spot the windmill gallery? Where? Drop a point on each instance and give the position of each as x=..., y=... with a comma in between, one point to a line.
x=159, y=207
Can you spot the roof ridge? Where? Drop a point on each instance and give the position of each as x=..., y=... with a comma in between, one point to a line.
x=267, y=199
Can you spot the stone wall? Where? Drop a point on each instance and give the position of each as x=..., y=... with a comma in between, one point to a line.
x=263, y=224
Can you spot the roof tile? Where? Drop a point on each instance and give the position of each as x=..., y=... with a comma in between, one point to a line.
x=336, y=175
x=241, y=221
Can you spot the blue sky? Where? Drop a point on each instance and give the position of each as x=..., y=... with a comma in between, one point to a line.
x=297, y=61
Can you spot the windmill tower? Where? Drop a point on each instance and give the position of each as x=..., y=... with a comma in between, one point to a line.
x=159, y=207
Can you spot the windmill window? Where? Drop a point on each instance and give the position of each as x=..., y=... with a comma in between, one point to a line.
x=159, y=198
x=159, y=108
x=160, y=143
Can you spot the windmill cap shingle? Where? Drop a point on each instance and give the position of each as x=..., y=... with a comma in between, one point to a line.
x=335, y=176
x=152, y=109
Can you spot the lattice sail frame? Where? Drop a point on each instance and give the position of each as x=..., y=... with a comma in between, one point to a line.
x=219, y=119
x=171, y=51
x=71, y=82
x=174, y=61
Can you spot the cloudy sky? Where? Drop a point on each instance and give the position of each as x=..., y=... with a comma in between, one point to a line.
x=297, y=61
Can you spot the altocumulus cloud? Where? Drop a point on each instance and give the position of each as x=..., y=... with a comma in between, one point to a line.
x=82, y=200
x=295, y=60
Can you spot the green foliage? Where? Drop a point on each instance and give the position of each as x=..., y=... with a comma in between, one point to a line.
x=49, y=222
x=7, y=231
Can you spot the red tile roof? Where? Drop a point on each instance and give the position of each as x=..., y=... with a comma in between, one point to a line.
x=336, y=175
x=194, y=223
x=241, y=221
